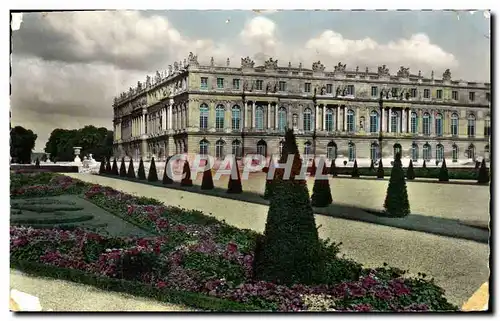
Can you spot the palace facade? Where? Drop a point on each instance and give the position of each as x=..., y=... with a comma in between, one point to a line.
x=346, y=114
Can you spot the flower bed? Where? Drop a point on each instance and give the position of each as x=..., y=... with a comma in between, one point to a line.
x=199, y=256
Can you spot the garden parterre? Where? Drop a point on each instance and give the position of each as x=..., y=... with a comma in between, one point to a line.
x=196, y=253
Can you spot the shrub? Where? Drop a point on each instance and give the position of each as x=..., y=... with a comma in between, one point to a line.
x=108, y=166
x=123, y=170
x=483, y=176
x=234, y=184
x=141, y=173
x=322, y=195
x=372, y=165
x=333, y=168
x=396, y=200
x=186, y=173
x=410, y=173
x=268, y=192
x=37, y=163
x=167, y=173
x=152, y=175
x=131, y=170
x=207, y=181
x=443, y=172
x=380, y=169
x=345, y=163
x=424, y=165
x=355, y=172
x=102, y=169
x=114, y=169
x=289, y=252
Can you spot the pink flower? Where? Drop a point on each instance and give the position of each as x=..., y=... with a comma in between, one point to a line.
x=161, y=223
x=232, y=247
x=364, y=307
x=161, y=284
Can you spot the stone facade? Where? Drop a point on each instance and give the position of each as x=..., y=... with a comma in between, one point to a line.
x=222, y=109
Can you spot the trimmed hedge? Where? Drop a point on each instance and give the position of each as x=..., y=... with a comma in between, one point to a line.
x=123, y=170
x=131, y=170
x=114, y=169
x=186, y=173
x=141, y=173
x=167, y=171
x=152, y=175
x=483, y=176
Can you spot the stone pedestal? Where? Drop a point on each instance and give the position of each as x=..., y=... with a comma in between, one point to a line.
x=77, y=159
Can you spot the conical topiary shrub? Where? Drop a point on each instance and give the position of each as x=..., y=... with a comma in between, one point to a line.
x=37, y=163
x=322, y=194
x=114, y=169
x=313, y=168
x=131, y=170
x=443, y=172
x=424, y=165
x=380, y=169
x=410, y=173
x=168, y=173
x=186, y=173
x=141, y=173
x=152, y=175
x=102, y=169
x=234, y=184
x=268, y=192
x=396, y=202
x=123, y=170
x=333, y=169
x=289, y=251
x=372, y=166
x=483, y=176
x=355, y=171
x=207, y=181
x=108, y=166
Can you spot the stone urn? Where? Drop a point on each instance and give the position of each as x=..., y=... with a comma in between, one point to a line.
x=77, y=159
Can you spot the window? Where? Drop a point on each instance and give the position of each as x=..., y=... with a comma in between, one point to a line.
x=219, y=117
x=471, y=152
x=439, y=152
x=454, y=124
x=487, y=127
x=427, y=152
x=439, y=124
x=204, y=83
x=259, y=118
x=439, y=94
x=396, y=149
x=262, y=148
x=351, y=152
x=471, y=126
x=307, y=149
x=236, y=148
x=374, y=151
x=203, y=116
x=350, y=121
x=454, y=95
x=282, y=86
x=374, y=91
x=394, y=122
x=219, y=149
x=329, y=88
x=331, y=150
x=282, y=119
x=220, y=83
x=454, y=154
x=203, y=147
x=350, y=90
x=258, y=84
x=329, y=120
x=307, y=87
x=373, y=122
x=236, y=84
x=414, y=123
x=414, y=152
x=413, y=92
x=488, y=97
x=427, y=93
x=426, y=122
x=394, y=92
x=307, y=119
x=235, y=117
x=472, y=96
x=281, y=148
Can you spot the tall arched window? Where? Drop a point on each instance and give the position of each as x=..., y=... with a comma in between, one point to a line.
x=454, y=124
x=374, y=122
x=439, y=152
x=471, y=125
x=427, y=152
x=219, y=148
x=351, y=152
x=331, y=150
x=454, y=154
x=236, y=148
x=374, y=151
x=394, y=122
x=307, y=119
x=439, y=124
x=350, y=121
x=262, y=148
x=203, y=116
x=307, y=148
x=426, y=124
x=235, y=117
x=414, y=123
x=281, y=119
x=203, y=147
x=396, y=149
x=487, y=126
x=259, y=118
x=219, y=117
x=414, y=152
x=329, y=122
x=471, y=152
x=282, y=143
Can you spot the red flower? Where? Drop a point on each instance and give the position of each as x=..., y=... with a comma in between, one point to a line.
x=232, y=247
x=142, y=242
x=161, y=284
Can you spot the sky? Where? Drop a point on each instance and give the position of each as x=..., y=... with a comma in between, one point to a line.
x=68, y=66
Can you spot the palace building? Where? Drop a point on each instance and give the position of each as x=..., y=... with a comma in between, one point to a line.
x=343, y=113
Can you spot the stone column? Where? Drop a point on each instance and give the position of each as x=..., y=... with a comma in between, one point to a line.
x=245, y=115
x=269, y=115
x=276, y=113
x=408, y=120
x=253, y=114
x=324, y=117
x=316, y=117
x=345, y=119
x=170, y=103
x=433, y=122
x=164, y=119
x=384, y=120
x=337, y=119
x=390, y=120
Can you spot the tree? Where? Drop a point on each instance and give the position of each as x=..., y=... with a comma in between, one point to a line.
x=102, y=169
x=114, y=169
x=141, y=173
x=443, y=172
x=167, y=173
x=333, y=169
x=483, y=176
x=396, y=202
x=37, y=163
x=131, y=169
x=22, y=142
x=410, y=173
x=186, y=173
x=234, y=184
x=322, y=194
x=380, y=169
x=152, y=175
x=207, y=182
x=289, y=251
x=268, y=192
x=123, y=170
x=355, y=171
x=108, y=167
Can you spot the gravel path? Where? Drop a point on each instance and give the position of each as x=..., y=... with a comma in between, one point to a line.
x=459, y=266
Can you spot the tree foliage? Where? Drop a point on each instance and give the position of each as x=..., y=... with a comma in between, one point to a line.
x=131, y=170
x=123, y=169
x=114, y=169
x=22, y=142
x=355, y=171
x=186, y=173
x=234, y=184
x=410, y=173
x=483, y=176
x=443, y=172
x=322, y=194
x=207, y=182
x=102, y=169
x=108, y=166
x=380, y=169
x=396, y=202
